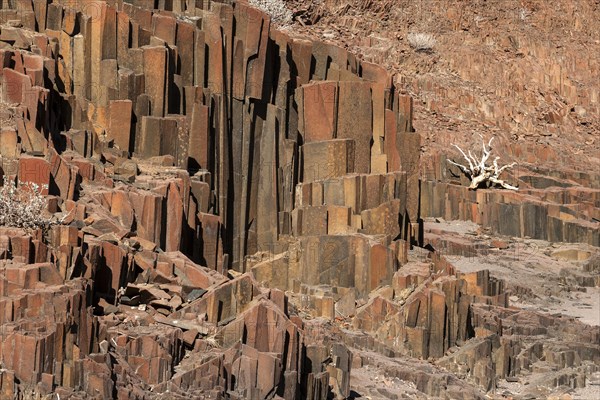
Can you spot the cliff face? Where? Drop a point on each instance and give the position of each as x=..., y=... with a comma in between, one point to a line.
x=226, y=104
x=244, y=218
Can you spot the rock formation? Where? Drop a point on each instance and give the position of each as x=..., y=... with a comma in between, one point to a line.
x=243, y=217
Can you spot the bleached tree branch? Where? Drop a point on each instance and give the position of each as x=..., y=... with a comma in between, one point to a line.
x=465, y=156
x=478, y=172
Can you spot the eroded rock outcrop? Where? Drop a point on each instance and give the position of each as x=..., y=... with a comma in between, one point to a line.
x=241, y=210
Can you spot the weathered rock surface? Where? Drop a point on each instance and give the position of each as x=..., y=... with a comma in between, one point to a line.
x=244, y=219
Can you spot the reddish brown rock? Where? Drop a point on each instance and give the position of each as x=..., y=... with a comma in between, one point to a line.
x=319, y=111
x=35, y=170
x=267, y=220
x=120, y=123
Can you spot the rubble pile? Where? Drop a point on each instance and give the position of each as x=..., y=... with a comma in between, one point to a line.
x=242, y=217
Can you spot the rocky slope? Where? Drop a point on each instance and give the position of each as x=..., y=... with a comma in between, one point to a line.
x=244, y=215
x=524, y=71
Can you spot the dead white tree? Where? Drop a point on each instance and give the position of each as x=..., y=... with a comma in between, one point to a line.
x=478, y=172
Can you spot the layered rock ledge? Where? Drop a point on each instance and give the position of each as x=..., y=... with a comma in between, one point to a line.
x=244, y=216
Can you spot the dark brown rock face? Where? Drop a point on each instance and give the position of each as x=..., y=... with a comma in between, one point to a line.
x=241, y=215
x=557, y=206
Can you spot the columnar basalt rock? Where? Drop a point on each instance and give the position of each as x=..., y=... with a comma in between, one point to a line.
x=536, y=212
x=219, y=182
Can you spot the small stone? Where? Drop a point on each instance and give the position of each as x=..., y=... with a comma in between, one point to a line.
x=499, y=244
x=103, y=347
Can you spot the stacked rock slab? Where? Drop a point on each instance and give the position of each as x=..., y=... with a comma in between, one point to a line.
x=234, y=99
x=105, y=93
x=219, y=91
x=555, y=205
x=205, y=163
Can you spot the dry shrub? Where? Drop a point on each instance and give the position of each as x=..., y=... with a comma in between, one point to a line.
x=23, y=206
x=421, y=41
x=279, y=13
